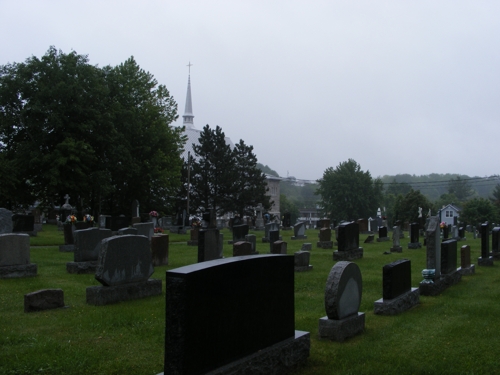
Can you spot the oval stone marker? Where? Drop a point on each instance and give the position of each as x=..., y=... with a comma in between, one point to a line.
x=343, y=290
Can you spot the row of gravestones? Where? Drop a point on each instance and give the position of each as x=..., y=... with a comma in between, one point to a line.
x=17, y=223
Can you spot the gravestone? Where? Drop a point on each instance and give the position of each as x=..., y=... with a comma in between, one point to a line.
x=239, y=232
x=495, y=243
x=69, y=241
x=400, y=224
x=301, y=261
x=6, y=224
x=373, y=225
x=193, y=236
x=15, y=256
x=23, y=224
x=306, y=246
x=117, y=222
x=145, y=229
x=287, y=220
x=124, y=267
x=363, y=226
x=259, y=221
x=274, y=235
x=445, y=232
x=414, y=236
x=240, y=333
x=466, y=268
x=45, y=299
x=159, y=249
x=270, y=227
x=370, y=238
x=325, y=239
x=461, y=234
x=279, y=247
x=242, y=248
x=209, y=244
x=485, y=259
x=87, y=249
x=253, y=241
x=397, y=295
x=128, y=230
x=299, y=231
x=342, y=300
x=382, y=234
x=448, y=256
x=396, y=246
x=348, y=242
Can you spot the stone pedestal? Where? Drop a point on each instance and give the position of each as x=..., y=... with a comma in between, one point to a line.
x=414, y=245
x=340, y=330
x=383, y=239
x=105, y=295
x=397, y=305
x=440, y=284
x=466, y=271
x=495, y=255
x=396, y=249
x=324, y=244
x=302, y=237
x=485, y=262
x=348, y=255
x=81, y=267
x=18, y=271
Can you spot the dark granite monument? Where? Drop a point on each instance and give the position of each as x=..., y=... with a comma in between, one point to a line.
x=159, y=249
x=397, y=295
x=248, y=317
x=209, y=244
x=396, y=240
x=301, y=259
x=299, y=231
x=23, y=224
x=382, y=234
x=414, y=236
x=342, y=300
x=348, y=242
x=325, y=239
x=239, y=233
x=86, y=250
x=15, y=256
x=45, y=299
x=495, y=243
x=485, y=259
x=466, y=268
x=241, y=248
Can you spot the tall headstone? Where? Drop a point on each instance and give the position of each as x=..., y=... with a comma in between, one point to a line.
x=159, y=249
x=299, y=231
x=325, y=239
x=414, y=236
x=145, y=229
x=239, y=232
x=342, y=301
x=448, y=256
x=485, y=259
x=382, y=234
x=6, y=224
x=396, y=246
x=15, y=256
x=348, y=242
x=495, y=243
x=465, y=261
x=259, y=221
x=301, y=261
x=195, y=346
x=86, y=250
x=274, y=235
x=434, y=246
x=209, y=244
x=253, y=241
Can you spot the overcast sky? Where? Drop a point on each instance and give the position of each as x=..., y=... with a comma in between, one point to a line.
x=399, y=86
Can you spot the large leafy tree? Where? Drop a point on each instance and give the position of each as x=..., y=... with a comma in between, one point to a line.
x=406, y=207
x=348, y=193
x=100, y=135
x=460, y=188
x=479, y=210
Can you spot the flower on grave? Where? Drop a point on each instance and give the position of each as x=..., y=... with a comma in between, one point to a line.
x=71, y=219
x=158, y=230
x=88, y=218
x=153, y=214
x=442, y=225
x=196, y=224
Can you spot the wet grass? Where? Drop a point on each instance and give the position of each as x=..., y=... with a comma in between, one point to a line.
x=453, y=333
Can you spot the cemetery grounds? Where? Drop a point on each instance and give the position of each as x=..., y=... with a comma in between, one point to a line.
x=456, y=332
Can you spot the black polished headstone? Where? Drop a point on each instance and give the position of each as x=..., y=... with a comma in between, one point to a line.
x=117, y=222
x=88, y=243
x=485, y=241
x=239, y=232
x=414, y=235
x=274, y=235
x=208, y=244
x=348, y=236
x=287, y=219
x=23, y=223
x=448, y=256
x=495, y=240
x=382, y=232
x=220, y=311
x=396, y=278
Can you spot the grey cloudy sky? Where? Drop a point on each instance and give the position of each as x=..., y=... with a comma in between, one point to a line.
x=399, y=86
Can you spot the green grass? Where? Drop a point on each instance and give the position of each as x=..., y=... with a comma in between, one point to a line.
x=453, y=333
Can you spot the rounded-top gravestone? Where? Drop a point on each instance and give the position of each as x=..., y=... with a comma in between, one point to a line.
x=343, y=290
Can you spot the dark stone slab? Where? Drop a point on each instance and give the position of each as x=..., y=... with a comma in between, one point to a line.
x=348, y=237
x=383, y=239
x=301, y=258
x=299, y=231
x=159, y=249
x=382, y=232
x=467, y=271
x=274, y=235
x=241, y=248
x=253, y=241
x=115, y=223
x=414, y=232
x=340, y=330
x=81, y=267
x=45, y=299
x=23, y=223
x=324, y=244
x=239, y=232
x=370, y=238
x=145, y=229
x=398, y=304
x=396, y=249
x=495, y=240
x=306, y=246
x=127, y=230
x=325, y=234
x=18, y=271
x=247, y=305
x=485, y=262
x=6, y=224
x=433, y=245
x=396, y=278
x=485, y=241
x=14, y=249
x=88, y=243
x=106, y=295
x=348, y=255
x=440, y=284
x=68, y=234
x=209, y=244
x=279, y=247
x=124, y=259
x=448, y=256
x=343, y=290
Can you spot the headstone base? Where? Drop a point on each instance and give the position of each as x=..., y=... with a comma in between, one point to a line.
x=485, y=262
x=396, y=249
x=495, y=255
x=193, y=243
x=18, y=271
x=66, y=248
x=414, y=245
x=339, y=330
x=298, y=237
x=279, y=359
x=348, y=255
x=471, y=270
x=302, y=268
x=44, y=299
x=81, y=267
x=397, y=305
x=440, y=284
x=324, y=244
x=106, y=295
x=383, y=239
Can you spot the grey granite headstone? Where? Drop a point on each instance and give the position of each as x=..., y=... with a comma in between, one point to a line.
x=124, y=259
x=433, y=245
x=15, y=256
x=306, y=246
x=127, y=230
x=145, y=229
x=88, y=243
x=252, y=238
x=299, y=231
x=241, y=248
x=301, y=261
x=44, y=299
x=209, y=244
x=6, y=225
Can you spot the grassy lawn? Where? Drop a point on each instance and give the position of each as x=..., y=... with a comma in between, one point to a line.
x=453, y=333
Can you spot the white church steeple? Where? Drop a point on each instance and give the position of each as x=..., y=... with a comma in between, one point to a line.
x=188, y=111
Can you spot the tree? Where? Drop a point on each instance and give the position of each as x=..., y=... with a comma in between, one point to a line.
x=100, y=135
x=396, y=188
x=213, y=172
x=406, y=208
x=290, y=206
x=495, y=199
x=460, y=188
x=250, y=185
x=348, y=193
x=479, y=210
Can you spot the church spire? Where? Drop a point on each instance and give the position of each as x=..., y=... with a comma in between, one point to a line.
x=188, y=111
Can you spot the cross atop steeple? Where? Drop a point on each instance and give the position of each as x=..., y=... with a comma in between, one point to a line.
x=189, y=66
